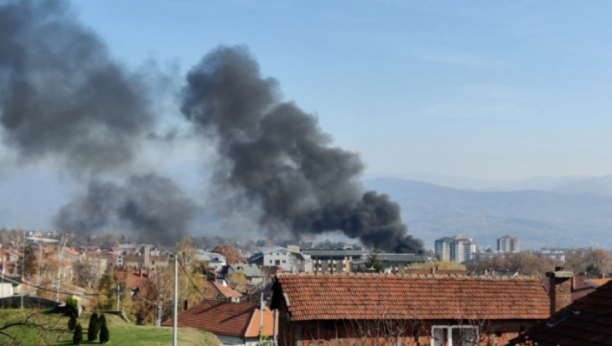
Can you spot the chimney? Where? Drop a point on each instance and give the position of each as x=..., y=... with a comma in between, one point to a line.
x=560, y=289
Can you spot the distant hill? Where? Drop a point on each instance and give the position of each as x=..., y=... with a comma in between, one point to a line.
x=594, y=185
x=538, y=218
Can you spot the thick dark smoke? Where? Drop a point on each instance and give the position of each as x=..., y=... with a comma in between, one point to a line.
x=279, y=157
x=62, y=95
x=153, y=206
x=64, y=98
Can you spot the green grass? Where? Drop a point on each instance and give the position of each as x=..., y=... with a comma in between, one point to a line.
x=121, y=332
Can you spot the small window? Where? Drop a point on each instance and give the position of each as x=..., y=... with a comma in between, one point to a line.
x=284, y=261
x=454, y=335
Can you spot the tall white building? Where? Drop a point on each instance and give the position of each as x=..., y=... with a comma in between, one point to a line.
x=508, y=244
x=456, y=249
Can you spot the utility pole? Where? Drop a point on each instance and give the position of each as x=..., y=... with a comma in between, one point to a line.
x=118, y=295
x=64, y=239
x=175, y=308
x=159, y=310
x=23, y=267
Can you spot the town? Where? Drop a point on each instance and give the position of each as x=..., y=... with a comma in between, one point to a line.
x=258, y=292
x=320, y=173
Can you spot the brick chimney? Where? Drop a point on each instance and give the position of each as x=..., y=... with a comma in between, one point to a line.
x=560, y=289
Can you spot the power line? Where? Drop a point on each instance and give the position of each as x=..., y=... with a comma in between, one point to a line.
x=189, y=277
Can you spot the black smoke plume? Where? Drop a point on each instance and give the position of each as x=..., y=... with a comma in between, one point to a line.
x=279, y=157
x=62, y=95
x=153, y=206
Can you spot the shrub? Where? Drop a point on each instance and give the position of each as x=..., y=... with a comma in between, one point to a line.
x=104, y=333
x=94, y=327
x=78, y=335
x=72, y=306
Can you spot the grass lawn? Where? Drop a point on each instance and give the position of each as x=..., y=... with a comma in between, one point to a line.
x=121, y=332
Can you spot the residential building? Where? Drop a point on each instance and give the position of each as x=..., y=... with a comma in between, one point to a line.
x=334, y=261
x=391, y=262
x=552, y=253
x=369, y=309
x=442, y=247
x=253, y=274
x=289, y=260
x=218, y=291
x=508, y=244
x=213, y=259
x=458, y=249
x=231, y=323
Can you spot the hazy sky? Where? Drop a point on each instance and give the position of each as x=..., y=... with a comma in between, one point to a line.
x=481, y=89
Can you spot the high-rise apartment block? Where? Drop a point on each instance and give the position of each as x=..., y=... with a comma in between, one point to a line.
x=507, y=244
x=456, y=249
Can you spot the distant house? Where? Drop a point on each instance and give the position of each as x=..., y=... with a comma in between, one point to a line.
x=217, y=291
x=334, y=261
x=214, y=260
x=392, y=309
x=586, y=321
x=253, y=274
x=288, y=260
x=232, y=323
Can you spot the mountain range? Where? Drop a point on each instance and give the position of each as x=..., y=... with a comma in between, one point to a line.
x=572, y=212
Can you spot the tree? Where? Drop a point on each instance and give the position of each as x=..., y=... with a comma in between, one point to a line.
x=72, y=322
x=94, y=327
x=77, y=338
x=373, y=263
x=107, y=287
x=524, y=263
x=72, y=306
x=85, y=273
x=104, y=332
x=30, y=266
x=231, y=254
x=597, y=260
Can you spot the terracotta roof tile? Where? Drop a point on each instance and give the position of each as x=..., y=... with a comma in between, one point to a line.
x=587, y=321
x=375, y=296
x=223, y=318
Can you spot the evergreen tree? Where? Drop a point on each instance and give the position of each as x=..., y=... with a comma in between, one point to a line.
x=94, y=327
x=72, y=322
x=374, y=263
x=104, y=333
x=78, y=334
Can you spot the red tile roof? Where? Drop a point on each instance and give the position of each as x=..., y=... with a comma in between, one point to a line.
x=587, y=321
x=224, y=318
x=224, y=290
x=376, y=296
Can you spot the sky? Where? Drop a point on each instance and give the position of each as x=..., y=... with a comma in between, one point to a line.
x=501, y=90
x=479, y=89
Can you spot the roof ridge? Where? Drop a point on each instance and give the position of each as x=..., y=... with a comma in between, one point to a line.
x=413, y=275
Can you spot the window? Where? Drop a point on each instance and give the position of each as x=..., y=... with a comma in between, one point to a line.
x=284, y=261
x=277, y=262
x=454, y=336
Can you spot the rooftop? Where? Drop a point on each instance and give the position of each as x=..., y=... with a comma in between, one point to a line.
x=587, y=321
x=431, y=297
x=224, y=318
